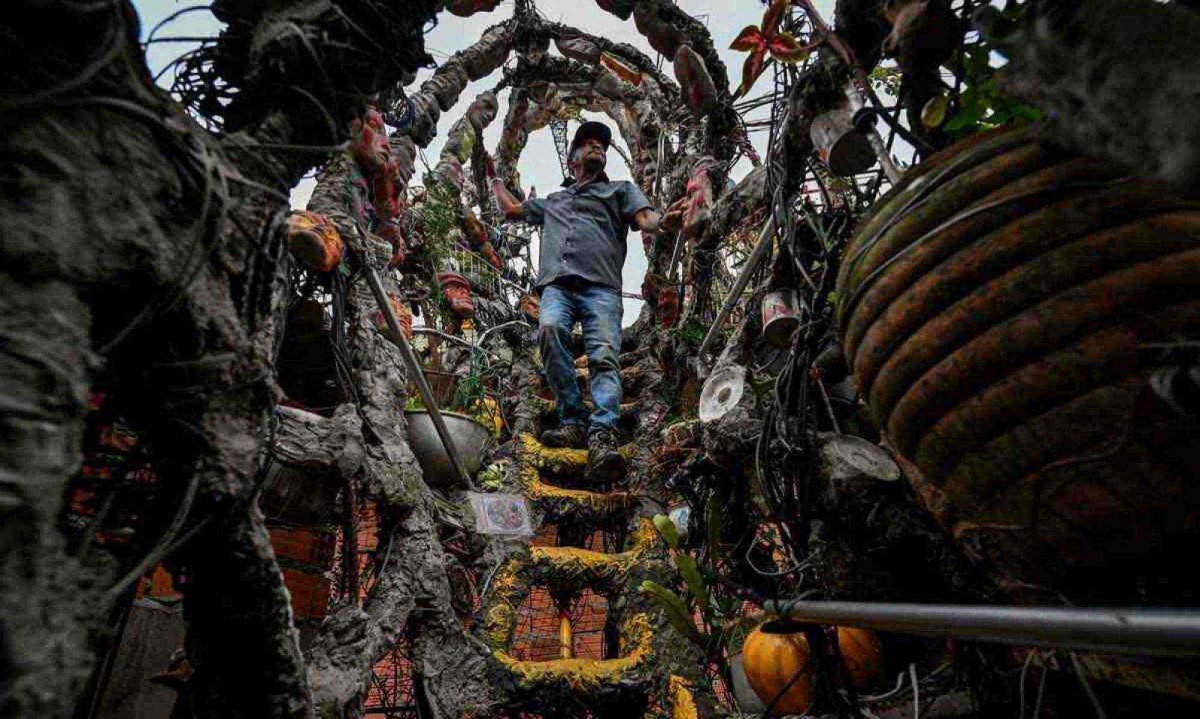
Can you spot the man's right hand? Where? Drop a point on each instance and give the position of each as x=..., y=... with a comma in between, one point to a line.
x=672, y=220
x=509, y=205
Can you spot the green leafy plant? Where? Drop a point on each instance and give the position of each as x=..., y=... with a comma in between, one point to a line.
x=691, y=332
x=674, y=609
x=440, y=210
x=491, y=479
x=666, y=530
x=470, y=389
x=706, y=615
x=886, y=79
x=982, y=104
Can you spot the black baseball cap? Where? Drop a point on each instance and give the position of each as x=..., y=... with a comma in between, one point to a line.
x=588, y=131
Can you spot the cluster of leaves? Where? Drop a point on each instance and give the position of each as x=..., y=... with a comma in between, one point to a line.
x=767, y=41
x=886, y=79
x=690, y=332
x=440, y=211
x=471, y=388
x=982, y=104
x=491, y=479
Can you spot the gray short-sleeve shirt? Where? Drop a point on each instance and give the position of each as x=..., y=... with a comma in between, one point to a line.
x=584, y=230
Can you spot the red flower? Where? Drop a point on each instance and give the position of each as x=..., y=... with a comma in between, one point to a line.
x=781, y=46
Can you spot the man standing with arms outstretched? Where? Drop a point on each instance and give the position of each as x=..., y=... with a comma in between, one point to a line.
x=585, y=226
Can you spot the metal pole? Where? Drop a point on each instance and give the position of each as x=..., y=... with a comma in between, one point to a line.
x=656, y=190
x=414, y=369
x=676, y=253
x=873, y=139
x=885, y=159
x=756, y=256
x=1162, y=632
x=105, y=670
x=489, y=330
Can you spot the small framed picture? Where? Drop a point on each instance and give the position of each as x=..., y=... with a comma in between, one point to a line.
x=501, y=514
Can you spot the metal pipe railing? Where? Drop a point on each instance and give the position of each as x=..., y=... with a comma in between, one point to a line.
x=765, y=239
x=1136, y=631
x=457, y=340
x=414, y=368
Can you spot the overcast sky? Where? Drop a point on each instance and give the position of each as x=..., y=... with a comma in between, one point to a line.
x=539, y=165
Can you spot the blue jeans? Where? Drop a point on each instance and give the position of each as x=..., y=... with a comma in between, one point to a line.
x=598, y=309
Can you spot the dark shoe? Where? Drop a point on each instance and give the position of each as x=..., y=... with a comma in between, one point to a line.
x=571, y=435
x=605, y=463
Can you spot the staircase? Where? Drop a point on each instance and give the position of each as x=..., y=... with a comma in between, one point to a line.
x=626, y=679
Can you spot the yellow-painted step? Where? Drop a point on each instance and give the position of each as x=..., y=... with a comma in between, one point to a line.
x=560, y=461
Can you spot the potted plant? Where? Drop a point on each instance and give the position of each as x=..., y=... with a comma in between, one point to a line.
x=471, y=415
x=707, y=615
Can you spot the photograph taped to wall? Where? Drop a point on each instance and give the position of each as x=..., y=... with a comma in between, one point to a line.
x=501, y=514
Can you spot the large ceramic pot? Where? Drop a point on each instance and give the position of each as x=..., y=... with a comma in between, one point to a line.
x=747, y=698
x=998, y=310
x=471, y=439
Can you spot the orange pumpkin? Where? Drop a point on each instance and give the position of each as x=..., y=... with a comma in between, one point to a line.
x=773, y=654
x=862, y=654
x=776, y=651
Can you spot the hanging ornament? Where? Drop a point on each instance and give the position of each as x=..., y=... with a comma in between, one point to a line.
x=314, y=240
x=577, y=47
x=531, y=306
x=699, y=92
x=924, y=36
x=369, y=142
x=467, y=8
x=862, y=655
x=391, y=233
x=458, y=293
x=698, y=209
x=666, y=309
x=622, y=69
x=658, y=29
x=779, y=667
x=403, y=317
x=621, y=8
